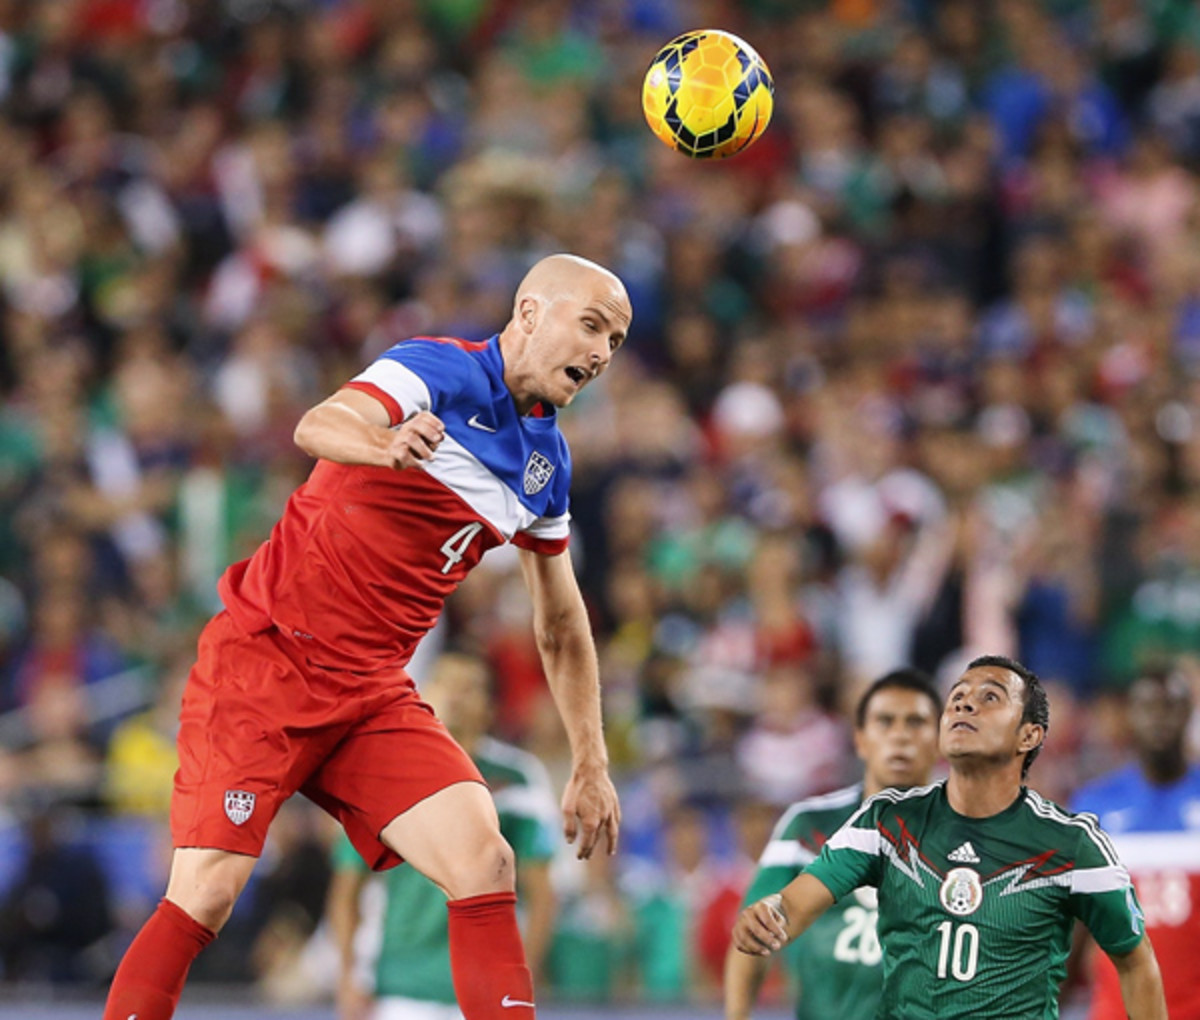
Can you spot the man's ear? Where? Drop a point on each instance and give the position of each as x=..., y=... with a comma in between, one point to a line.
x=527, y=312
x=1032, y=735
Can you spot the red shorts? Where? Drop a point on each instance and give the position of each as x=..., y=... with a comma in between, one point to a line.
x=260, y=722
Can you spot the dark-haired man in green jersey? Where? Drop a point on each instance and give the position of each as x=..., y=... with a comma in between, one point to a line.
x=980, y=879
x=836, y=966
x=404, y=974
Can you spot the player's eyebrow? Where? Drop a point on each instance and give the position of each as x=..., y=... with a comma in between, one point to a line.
x=988, y=682
x=598, y=311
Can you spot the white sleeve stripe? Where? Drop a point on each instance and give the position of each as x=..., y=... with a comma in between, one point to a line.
x=1101, y=838
x=783, y=853
x=847, y=838
x=550, y=527
x=784, y=822
x=891, y=795
x=400, y=383
x=1098, y=880
x=1086, y=822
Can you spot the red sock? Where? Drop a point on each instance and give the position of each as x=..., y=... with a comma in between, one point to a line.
x=150, y=978
x=491, y=978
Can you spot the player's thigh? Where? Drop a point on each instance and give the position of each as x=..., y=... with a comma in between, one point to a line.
x=397, y=758
x=395, y=1008
x=453, y=838
x=247, y=739
x=206, y=883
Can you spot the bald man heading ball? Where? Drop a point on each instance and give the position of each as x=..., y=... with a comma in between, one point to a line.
x=438, y=451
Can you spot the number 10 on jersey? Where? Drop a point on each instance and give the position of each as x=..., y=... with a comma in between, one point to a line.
x=959, y=950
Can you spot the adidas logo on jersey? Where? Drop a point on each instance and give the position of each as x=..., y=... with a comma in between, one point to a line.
x=965, y=854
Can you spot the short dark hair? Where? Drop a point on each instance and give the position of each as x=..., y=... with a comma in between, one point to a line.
x=1165, y=674
x=1036, y=701
x=899, y=679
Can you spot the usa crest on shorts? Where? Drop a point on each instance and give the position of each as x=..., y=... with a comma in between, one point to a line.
x=239, y=805
x=537, y=473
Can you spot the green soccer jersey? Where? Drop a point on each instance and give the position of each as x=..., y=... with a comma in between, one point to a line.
x=975, y=914
x=414, y=949
x=836, y=962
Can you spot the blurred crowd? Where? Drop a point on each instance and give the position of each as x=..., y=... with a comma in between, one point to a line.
x=915, y=377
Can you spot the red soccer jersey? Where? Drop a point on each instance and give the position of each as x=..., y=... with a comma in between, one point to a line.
x=1165, y=868
x=1156, y=832
x=363, y=558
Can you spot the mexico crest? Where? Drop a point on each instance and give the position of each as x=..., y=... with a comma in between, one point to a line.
x=962, y=892
x=537, y=473
x=239, y=805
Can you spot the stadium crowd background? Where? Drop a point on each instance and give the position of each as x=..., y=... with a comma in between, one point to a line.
x=914, y=377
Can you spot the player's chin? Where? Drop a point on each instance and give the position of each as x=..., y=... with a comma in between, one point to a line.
x=566, y=396
x=959, y=742
x=901, y=777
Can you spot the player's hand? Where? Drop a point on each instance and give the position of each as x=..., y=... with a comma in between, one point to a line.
x=761, y=928
x=416, y=440
x=589, y=808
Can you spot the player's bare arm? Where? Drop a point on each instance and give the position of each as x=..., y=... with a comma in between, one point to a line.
x=763, y=927
x=564, y=639
x=744, y=975
x=352, y=427
x=1141, y=983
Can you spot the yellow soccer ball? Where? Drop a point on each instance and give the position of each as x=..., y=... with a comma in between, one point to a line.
x=708, y=94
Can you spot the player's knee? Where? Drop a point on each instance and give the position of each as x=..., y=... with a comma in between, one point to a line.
x=209, y=900
x=492, y=869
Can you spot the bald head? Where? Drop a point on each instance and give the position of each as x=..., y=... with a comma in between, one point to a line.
x=558, y=276
x=569, y=317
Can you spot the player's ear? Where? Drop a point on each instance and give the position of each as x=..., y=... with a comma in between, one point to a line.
x=1031, y=736
x=527, y=312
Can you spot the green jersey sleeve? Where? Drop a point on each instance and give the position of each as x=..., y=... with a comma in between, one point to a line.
x=852, y=857
x=527, y=813
x=783, y=858
x=1102, y=895
x=529, y=837
x=343, y=856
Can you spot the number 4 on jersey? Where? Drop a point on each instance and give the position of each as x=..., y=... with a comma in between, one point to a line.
x=455, y=547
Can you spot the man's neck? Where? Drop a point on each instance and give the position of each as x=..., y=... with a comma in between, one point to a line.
x=511, y=344
x=981, y=791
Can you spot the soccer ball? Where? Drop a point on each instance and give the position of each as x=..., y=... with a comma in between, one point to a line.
x=708, y=94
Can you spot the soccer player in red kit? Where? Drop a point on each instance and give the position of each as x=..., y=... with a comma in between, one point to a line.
x=437, y=452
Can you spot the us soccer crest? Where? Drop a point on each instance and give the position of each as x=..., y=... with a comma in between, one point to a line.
x=239, y=806
x=537, y=473
x=962, y=892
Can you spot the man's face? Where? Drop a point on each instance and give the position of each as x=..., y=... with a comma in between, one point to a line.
x=898, y=739
x=982, y=718
x=1159, y=711
x=572, y=338
x=458, y=693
